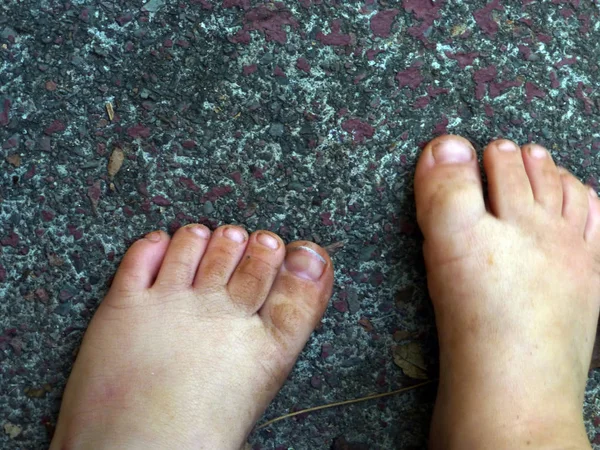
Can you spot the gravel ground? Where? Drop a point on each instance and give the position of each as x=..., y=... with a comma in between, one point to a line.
x=305, y=118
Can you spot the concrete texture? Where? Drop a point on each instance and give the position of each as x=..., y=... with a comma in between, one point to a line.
x=305, y=118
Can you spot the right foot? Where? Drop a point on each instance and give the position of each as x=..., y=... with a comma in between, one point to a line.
x=515, y=288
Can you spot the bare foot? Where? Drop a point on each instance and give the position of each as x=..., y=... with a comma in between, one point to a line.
x=516, y=294
x=194, y=339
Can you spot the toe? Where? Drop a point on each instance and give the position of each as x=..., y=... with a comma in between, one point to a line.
x=575, y=201
x=141, y=263
x=510, y=193
x=183, y=256
x=448, y=189
x=544, y=178
x=299, y=295
x=222, y=256
x=592, y=227
x=253, y=277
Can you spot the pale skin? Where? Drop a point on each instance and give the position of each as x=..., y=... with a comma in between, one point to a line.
x=199, y=331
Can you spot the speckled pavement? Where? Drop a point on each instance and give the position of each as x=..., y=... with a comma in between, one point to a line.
x=305, y=118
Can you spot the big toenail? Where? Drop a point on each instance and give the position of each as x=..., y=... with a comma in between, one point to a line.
x=305, y=262
x=507, y=146
x=452, y=151
x=153, y=237
x=537, y=152
x=199, y=230
x=235, y=234
x=267, y=240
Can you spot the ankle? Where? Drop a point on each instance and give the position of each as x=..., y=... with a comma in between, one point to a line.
x=563, y=431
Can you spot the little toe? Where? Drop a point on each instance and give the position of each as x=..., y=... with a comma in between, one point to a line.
x=222, y=256
x=510, y=193
x=576, y=201
x=592, y=227
x=183, y=256
x=448, y=189
x=299, y=296
x=544, y=177
x=253, y=277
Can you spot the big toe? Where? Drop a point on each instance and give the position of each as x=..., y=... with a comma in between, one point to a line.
x=448, y=189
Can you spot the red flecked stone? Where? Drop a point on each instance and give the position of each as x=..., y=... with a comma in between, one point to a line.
x=359, y=130
x=484, y=18
x=326, y=219
x=278, y=72
x=302, y=64
x=77, y=233
x=341, y=305
x=188, y=144
x=55, y=127
x=189, y=183
x=2, y=273
x=410, y=77
x=4, y=113
x=124, y=19
x=168, y=43
x=270, y=21
x=243, y=4
x=463, y=59
x=47, y=216
x=138, y=131
x=532, y=91
x=482, y=77
x=249, y=70
x=497, y=88
x=566, y=62
x=241, y=37
x=372, y=53
x=216, y=193
x=160, y=200
x=335, y=38
x=381, y=23
x=236, y=177
x=12, y=240
x=442, y=126
x=326, y=350
x=587, y=102
x=42, y=295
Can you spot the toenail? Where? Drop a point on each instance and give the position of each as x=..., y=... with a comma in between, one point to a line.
x=452, y=151
x=199, y=230
x=593, y=193
x=235, y=234
x=507, y=146
x=267, y=240
x=537, y=152
x=153, y=237
x=305, y=262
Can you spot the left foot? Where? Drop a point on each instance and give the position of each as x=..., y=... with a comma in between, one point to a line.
x=193, y=341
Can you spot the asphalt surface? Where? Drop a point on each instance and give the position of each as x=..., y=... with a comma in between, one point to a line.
x=305, y=118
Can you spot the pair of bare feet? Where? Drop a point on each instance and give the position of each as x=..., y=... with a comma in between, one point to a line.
x=199, y=332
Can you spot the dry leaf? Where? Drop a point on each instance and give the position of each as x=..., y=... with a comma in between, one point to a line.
x=409, y=357
x=402, y=335
x=15, y=159
x=38, y=392
x=115, y=162
x=333, y=248
x=110, y=111
x=12, y=430
x=366, y=324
